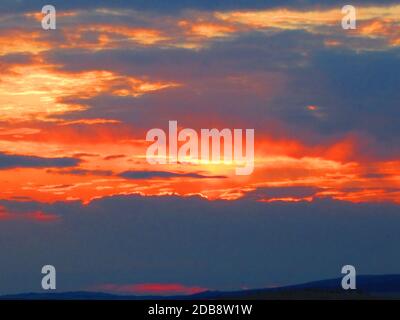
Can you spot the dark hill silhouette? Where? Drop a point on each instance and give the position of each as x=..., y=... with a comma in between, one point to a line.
x=368, y=287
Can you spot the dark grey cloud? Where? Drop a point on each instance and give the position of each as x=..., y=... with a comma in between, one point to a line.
x=247, y=52
x=81, y=172
x=354, y=92
x=9, y=161
x=281, y=192
x=16, y=58
x=10, y=60
x=164, y=174
x=114, y=156
x=231, y=80
x=213, y=244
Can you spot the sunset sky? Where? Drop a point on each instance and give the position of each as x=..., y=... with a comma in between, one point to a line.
x=76, y=103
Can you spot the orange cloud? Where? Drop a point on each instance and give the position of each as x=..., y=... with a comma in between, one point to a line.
x=373, y=21
x=111, y=36
x=206, y=29
x=198, y=28
x=281, y=18
x=37, y=92
x=89, y=121
x=333, y=168
x=382, y=28
x=20, y=40
x=33, y=96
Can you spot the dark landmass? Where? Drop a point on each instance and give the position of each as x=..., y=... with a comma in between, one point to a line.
x=368, y=287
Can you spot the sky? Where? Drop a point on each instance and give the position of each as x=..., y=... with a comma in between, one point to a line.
x=76, y=103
